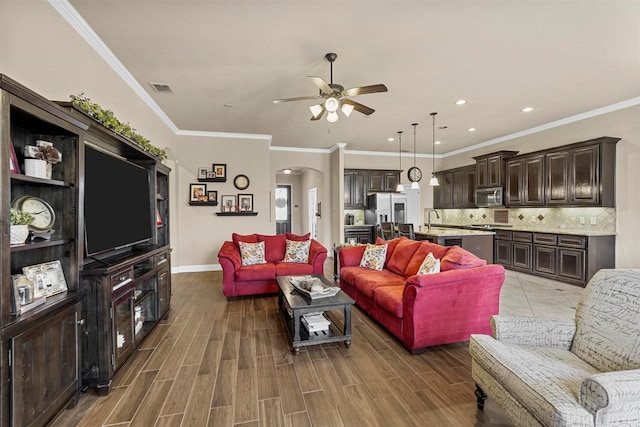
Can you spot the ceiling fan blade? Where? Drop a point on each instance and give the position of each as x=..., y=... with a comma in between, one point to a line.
x=364, y=90
x=299, y=98
x=359, y=107
x=321, y=84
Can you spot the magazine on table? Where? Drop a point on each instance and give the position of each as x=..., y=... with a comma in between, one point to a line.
x=313, y=287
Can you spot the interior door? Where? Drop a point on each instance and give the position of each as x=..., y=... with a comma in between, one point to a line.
x=283, y=209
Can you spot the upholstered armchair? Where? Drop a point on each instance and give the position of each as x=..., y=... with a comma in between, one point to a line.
x=584, y=372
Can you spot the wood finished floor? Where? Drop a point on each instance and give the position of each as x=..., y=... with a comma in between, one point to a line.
x=219, y=363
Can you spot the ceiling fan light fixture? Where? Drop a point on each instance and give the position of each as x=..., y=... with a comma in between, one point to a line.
x=347, y=109
x=332, y=117
x=316, y=110
x=332, y=104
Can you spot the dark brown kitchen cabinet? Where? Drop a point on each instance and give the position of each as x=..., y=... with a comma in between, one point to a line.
x=456, y=189
x=359, y=234
x=355, y=189
x=383, y=180
x=490, y=169
x=557, y=185
x=525, y=181
x=443, y=193
x=584, y=187
x=571, y=264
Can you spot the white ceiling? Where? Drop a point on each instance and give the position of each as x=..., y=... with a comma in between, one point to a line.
x=227, y=60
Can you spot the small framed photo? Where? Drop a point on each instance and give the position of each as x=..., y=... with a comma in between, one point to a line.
x=220, y=169
x=48, y=278
x=203, y=173
x=197, y=192
x=245, y=202
x=210, y=174
x=229, y=203
x=13, y=159
x=212, y=196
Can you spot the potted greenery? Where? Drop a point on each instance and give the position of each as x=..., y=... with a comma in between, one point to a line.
x=20, y=221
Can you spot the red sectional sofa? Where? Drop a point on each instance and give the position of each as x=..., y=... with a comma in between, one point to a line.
x=430, y=309
x=239, y=280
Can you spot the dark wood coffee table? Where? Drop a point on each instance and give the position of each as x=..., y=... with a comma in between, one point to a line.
x=293, y=305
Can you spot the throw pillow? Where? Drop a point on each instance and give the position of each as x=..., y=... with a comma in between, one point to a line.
x=252, y=253
x=430, y=265
x=458, y=258
x=298, y=237
x=374, y=256
x=297, y=251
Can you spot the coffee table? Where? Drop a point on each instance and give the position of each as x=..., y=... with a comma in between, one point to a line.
x=293, y=305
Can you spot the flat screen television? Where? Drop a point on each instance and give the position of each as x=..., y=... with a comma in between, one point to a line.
x=117, y=206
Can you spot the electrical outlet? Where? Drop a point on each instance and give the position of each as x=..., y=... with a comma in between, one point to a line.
x=582, y=221
x=593, y=220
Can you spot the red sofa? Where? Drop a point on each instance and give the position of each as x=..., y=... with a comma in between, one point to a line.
x=239, y=280
x=430, y=309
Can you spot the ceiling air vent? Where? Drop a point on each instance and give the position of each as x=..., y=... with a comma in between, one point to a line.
x=161, y=87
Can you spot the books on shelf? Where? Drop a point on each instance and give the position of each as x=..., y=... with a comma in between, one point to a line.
x=315, y=322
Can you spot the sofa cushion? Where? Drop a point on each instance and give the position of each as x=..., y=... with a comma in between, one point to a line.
x=256, y=272
x=430, y=265
x=252, y=253
x=391, y=246
x=367, y=280
x=297, y=251
x=390, y=298
x=457, y=258
x=292, y=268
x=274, y=246
x=374, y=257
x=297, y=237
x=547, y=379
x=438, y=252
x=247, y=238
x=402, y=254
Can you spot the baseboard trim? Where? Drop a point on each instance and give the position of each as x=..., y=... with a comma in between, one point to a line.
x=195, y=268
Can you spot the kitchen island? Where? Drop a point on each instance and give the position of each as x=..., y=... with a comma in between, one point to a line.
x=478, y=242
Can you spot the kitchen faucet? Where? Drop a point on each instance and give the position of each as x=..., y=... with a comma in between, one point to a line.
x=429, y=218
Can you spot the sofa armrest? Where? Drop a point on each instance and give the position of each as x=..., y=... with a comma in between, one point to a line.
x=315, y=250
x=230, y=253
x=612, y=391
x=554, y=333
x=350, y=256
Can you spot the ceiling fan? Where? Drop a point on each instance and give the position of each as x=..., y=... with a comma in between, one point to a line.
x=335, y=97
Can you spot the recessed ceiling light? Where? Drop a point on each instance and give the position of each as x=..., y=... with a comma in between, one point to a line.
x=527, y=109
x=391, y=139
x=438, y=142
x=461, y=102
x=287, y=171
x=471, y=129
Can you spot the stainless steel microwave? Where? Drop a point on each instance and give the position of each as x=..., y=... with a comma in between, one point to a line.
x=489, y=197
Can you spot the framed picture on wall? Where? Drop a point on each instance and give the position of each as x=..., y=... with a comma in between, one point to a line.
x=220, y=169
x=203, y=173
x=229, y=203
x=212, y=196
x=245, y=202
x=198, y=193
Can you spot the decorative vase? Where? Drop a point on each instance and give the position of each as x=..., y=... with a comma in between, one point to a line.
x=19, y=233
x=37, y=168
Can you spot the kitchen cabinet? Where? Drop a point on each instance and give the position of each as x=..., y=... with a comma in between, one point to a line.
x=490, y=169
x=360, y=233
x=525, y=181
x=564, y=257
x=355, y=189
x=456, y=189
x=574, y=177
x=383, y=180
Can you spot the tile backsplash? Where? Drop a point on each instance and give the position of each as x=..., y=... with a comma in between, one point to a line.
x=542, y=218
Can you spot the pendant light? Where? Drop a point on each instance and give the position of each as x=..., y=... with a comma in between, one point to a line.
x=433, y=182
x=414, y=174
x=400, y=187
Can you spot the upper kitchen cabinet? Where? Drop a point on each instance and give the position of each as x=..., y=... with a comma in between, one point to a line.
x=582, y=174
x=383, y=180
x=355, y=188
x=525, y=181
x=456, y=189
x=490, y=169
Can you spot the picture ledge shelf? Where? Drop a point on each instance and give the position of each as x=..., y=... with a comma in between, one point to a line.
x=203, y=203
x=236, y=213
x=212, y=179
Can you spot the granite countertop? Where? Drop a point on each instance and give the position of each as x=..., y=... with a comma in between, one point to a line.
x=533, y=230
x=359, y=225
x=443, y=231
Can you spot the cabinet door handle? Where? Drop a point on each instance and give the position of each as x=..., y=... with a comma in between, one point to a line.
x=162, y=261
x=81, y=322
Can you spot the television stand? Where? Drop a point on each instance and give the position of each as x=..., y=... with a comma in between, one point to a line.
x=125, y=297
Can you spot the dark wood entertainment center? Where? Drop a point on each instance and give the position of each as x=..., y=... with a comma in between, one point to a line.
x=80, y=337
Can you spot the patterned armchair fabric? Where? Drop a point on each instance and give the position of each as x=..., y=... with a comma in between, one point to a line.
x=559, y=373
